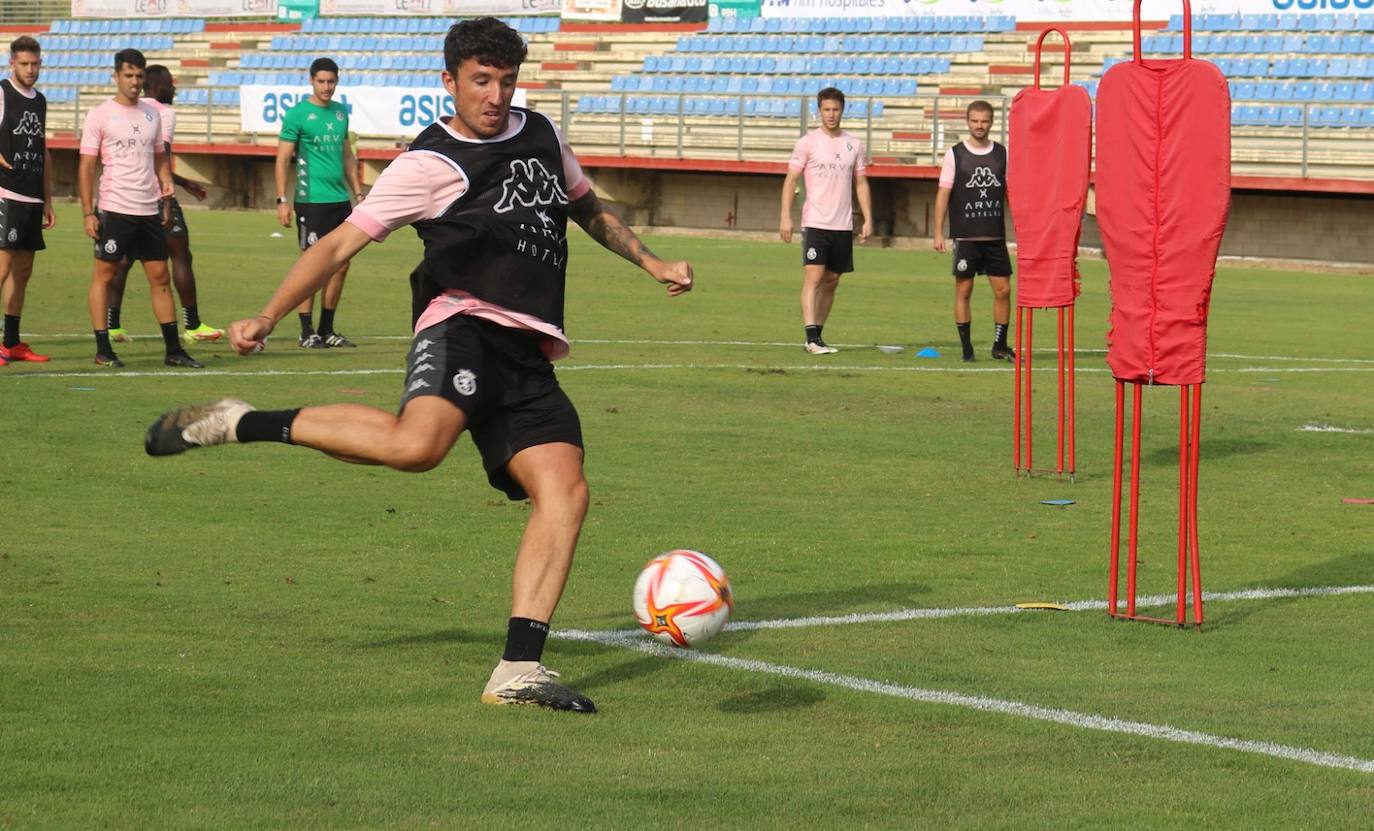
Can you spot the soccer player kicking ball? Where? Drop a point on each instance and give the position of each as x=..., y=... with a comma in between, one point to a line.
x=25, y=188
x=489, y=192
x=125, y=134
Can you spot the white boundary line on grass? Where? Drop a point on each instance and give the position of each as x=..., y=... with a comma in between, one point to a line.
x=1088, y=721
x=267, y=373
x=1327, y=428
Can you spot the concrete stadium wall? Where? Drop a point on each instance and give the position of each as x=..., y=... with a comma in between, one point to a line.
x=1319, y=227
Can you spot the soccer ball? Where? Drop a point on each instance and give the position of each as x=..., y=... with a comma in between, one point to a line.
x=683, y=598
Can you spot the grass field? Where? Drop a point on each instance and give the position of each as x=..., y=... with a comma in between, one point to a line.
x=261, y=637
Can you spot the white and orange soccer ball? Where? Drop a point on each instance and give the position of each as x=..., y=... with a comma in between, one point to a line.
x=683, y=598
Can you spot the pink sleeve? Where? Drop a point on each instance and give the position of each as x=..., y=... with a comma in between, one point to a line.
x=800, y=151
x=90, y=134
x=577, y=181
x=169, y=124
x=860, y=160
x=417, y=185
x=947, y=169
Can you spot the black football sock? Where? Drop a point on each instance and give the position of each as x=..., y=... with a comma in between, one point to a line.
x=999, y=334
x=192, y=316
x=813, y=334
x=11, y=330
x=307, y=324
x=326, y=322
x=966, y=336
x=112, y=317
x=525, y=639
x=169, y=337
x=266, y=425
x=102, y=342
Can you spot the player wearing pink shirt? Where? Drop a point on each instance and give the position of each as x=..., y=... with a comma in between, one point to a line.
x=973, y=192
x=829, y=159
x=25, y=188
x=159, y=91
x=125, y=136
x=489, y=193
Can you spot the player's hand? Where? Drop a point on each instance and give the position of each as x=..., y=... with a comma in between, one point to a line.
x=197, y=190
x=940, y=242
x=168, y=190
x=676, y=276
x=785, y=230
x=49, y=218
x=865, y=232
x=92, y=226
x=284, y=214
x=248, y=336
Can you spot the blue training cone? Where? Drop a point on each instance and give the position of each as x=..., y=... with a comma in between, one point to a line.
x=927, y=352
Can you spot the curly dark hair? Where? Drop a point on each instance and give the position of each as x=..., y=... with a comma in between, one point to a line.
x=158, y=84
x=487, y=39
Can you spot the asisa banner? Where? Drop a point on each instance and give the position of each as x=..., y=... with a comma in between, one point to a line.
x=372, y=111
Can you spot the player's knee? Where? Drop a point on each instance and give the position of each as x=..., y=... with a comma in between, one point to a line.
x=417, y=456
x=1001, y=292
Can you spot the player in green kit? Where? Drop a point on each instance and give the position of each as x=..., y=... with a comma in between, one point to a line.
x=315, y=131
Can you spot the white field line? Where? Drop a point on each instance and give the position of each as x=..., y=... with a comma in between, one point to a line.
x=1327, y=428
x=977, y=611
x=788, y=345
x=1086, y=721
x=638, y=640
x=188, y=374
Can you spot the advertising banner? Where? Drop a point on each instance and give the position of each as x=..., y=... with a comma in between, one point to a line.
x=141, y=9
x=602, y=10
x=437, y=8
x=1047, y=10
x=733, y=8
x=296, y=10
x=372, y=111
x=663, y=11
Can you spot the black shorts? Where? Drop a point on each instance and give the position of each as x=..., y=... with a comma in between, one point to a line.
x=316, y=219
x=501, y=381
x=178, y=228
x=21, y=225
x=981, y=256
x=123, y=236
x=832, y=249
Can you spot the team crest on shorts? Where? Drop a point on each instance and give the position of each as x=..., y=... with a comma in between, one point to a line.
x=811, y=253
x=111, y=246
x=312, y=238
x=962, y=265
x=14, y=235
x=465, y=381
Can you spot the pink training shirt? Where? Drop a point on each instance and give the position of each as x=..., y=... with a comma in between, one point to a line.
x=168, y=116
x=829, y=165
x=420, y=185
x=125, y=139
x=30, y=92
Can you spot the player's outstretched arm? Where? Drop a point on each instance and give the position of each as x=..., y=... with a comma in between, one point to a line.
x=602, y=225
x=310, y=274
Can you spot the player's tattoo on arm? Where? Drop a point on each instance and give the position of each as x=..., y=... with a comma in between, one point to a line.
x=602, y=225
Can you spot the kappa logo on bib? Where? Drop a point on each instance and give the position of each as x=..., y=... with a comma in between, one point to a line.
x=465, y=381
x=531, y=185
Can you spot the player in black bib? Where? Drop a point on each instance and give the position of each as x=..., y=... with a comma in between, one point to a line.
x=489, y=192
x=25, y=188
x=974, y=193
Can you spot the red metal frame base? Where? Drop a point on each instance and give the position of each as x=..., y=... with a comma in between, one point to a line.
x=1022, y=399
x=1189, y=442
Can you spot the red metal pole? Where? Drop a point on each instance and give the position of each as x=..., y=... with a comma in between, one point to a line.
x=1116, y=499
x=1030, y=399
x=1184, y=456
x=1060, y=421
x=1192, y=525
x=1073, y=464
x=1016, y=398
x=1132, y=543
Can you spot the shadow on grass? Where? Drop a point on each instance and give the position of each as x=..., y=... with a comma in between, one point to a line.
x=1356, y=569
x=442, y=636
x=1214, y=449
x=776, y=698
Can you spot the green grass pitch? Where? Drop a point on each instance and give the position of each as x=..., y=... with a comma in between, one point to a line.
x=262, y=637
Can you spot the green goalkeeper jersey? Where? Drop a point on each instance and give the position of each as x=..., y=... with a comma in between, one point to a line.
x=320, y=134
